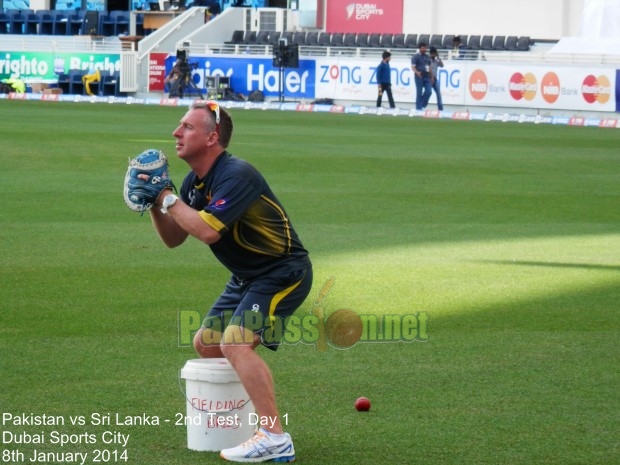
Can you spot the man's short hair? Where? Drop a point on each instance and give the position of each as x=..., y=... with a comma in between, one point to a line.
x=386, y=54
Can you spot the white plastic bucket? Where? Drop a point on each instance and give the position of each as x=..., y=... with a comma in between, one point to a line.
x=218, y=408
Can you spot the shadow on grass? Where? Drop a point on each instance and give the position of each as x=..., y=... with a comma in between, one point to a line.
x=582, y=266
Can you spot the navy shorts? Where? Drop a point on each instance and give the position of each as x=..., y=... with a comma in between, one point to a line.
x=261, y=305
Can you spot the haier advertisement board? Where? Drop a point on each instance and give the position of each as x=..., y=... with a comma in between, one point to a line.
x=248, y=74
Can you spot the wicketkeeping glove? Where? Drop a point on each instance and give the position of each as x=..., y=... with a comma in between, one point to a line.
x=141, y=194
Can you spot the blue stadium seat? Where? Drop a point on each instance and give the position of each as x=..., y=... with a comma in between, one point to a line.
x=64, y=82
x=31, y=26
x=5, y=21
x=122, y=23
x=76, y=86
x=140, y=25
x=110, y=84
x=18, y=21
x=60, y=22
x=75, y=23
x=107, y=24
x=46, y=22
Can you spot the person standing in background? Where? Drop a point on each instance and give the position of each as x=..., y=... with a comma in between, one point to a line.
x=436, y=63
x=421, y=67
x=458, y=49
x=384, y=79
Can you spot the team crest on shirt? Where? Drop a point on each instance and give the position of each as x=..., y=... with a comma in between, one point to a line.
x=218, y=204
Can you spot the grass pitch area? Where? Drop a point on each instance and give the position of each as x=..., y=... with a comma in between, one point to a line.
x=502, y=239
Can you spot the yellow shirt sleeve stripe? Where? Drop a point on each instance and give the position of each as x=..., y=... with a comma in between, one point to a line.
x=212, y=221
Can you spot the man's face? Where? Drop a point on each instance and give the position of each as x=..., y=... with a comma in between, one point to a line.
x=423, y=49
x=193, y=135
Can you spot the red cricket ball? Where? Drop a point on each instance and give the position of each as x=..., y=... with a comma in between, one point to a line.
x=362, y=404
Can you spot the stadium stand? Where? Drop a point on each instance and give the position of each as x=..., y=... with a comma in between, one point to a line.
x=511, y=43
x=446, y=43
x=312, y=39
x=31, y=26
x=486, y=42
x=299, y=38
x=237, y=37
x=362, y=39
x=435, y=41
x=523, y=44
x=349, y=39
x=75, y=23
x=499, y=43
x=5, y=20
x=324, y=39
x=274, y=37
x=122, y=23
x=473, y=43
x=398, y=41
x=387, y=40
x=337, y=39
x=411, y=41
x=262, y=37
x=46, y=22
x=374, y=40
x=76, y=86
x=18, y=21
x=110, y=84
x=249, y=37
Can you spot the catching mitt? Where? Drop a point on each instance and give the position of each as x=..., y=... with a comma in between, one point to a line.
x=147, y=175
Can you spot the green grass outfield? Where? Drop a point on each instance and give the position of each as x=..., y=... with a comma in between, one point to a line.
x=506, y=236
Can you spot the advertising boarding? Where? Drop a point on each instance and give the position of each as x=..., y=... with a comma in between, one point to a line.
x=378, y=16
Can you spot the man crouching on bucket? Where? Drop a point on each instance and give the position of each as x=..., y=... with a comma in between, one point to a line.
x=227, y=204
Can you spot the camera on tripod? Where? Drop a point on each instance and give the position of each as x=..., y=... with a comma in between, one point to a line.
x=184, y=65
x=183, y=82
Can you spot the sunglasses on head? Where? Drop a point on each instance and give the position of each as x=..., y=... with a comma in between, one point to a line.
x=214, y=107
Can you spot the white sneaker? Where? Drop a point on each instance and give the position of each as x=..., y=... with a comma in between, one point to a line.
x=262, y=448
